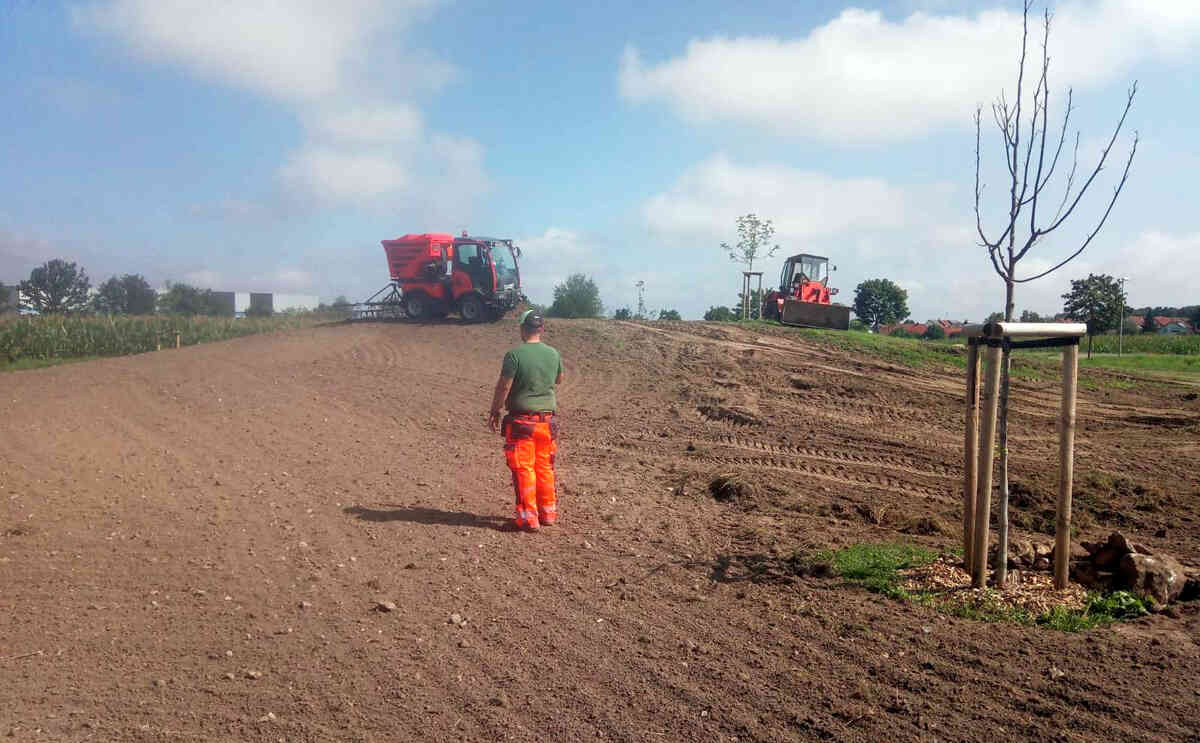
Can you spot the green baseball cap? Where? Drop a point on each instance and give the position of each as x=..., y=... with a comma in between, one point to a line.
x=532, y=319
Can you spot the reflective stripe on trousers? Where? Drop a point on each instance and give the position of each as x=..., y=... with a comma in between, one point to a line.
x=529, y=448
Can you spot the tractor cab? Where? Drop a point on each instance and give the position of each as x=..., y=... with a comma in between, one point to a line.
x=490, y=263
x=802, y=269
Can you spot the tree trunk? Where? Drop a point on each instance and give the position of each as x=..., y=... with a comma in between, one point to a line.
x=1001, y=567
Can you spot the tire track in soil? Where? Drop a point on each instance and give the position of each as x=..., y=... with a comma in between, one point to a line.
x=832, y=473
x=826, y=455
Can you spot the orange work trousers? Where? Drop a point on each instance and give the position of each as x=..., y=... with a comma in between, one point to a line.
x=530, y=442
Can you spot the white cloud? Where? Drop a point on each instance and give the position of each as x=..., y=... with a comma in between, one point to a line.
x=863, y=79
x=291, y=49
x=1161, y=268
x=345, y=175
x=382, y=124
x=803, y=204
x=335, y=64
x=374, y=156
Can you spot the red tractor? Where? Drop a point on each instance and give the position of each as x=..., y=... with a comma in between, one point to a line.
x=804, y=297
x=435, y=274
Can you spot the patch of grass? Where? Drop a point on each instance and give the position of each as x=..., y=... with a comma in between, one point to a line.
x=1101, y=610
x=875, y=566
x=909, y=352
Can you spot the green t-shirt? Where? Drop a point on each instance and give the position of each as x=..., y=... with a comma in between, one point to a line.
x=532, y=367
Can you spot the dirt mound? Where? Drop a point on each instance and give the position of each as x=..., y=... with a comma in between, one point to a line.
x=733, y=487
x=739, y=416
x=926, y=526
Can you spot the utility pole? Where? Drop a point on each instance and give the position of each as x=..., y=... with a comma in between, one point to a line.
x=641, y=289
x=1121, y=325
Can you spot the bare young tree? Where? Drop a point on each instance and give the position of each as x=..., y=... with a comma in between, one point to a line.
x=1025, y=134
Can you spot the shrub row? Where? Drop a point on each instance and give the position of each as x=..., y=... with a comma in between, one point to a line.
x=67, y=336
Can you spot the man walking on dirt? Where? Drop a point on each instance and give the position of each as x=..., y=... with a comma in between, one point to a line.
x=528, y=377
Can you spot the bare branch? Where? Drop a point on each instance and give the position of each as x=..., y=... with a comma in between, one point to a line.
x=1070, y=178
x=1103, y=219
x=1099, y=165
x=978, y=136
x=1003, y=119
x=1062, y=137
x=1016, y=118
x=1044, y=86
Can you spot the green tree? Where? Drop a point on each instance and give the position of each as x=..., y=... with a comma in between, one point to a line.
x=1150, y=323
x=576, y=297
x=1131, y=326
x=754, y=242
x=669, y=315
x=933, y=331
x=858, y=325
x=56, y=286
x=8, y=298
x=130, y=294
x=880, y=302
x=623, y=313
x=754, y=237
x=994, y=317
x=184, y=299
x=1031, y=316
x=1097, y=301
x=720, y=314
x=1193, y=314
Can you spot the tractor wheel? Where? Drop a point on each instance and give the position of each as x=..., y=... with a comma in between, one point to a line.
x=471, y=308
x=416, y=306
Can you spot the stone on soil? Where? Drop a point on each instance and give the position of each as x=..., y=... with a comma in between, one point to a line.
x=1153, y=577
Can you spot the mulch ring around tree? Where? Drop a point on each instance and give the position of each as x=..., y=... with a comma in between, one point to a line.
x=1027, y=591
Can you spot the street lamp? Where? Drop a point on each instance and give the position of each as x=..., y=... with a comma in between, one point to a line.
x=1121, y=329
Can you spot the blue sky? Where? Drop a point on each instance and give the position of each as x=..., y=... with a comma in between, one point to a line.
x=271, y=146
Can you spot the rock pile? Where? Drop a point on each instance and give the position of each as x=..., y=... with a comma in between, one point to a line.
x=1120, y=564
x=1115, y=564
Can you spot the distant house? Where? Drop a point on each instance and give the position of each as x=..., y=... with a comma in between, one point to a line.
x=239, y=304
x=1166, y=325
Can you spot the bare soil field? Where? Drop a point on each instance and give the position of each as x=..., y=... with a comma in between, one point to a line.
x=194, y=545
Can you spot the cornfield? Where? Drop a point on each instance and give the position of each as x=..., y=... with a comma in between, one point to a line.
x=1147, y=343
x=69, y=336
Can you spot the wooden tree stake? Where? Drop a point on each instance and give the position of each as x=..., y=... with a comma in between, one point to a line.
x=1066, y=467
x=970, y=451
x=987, y=451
